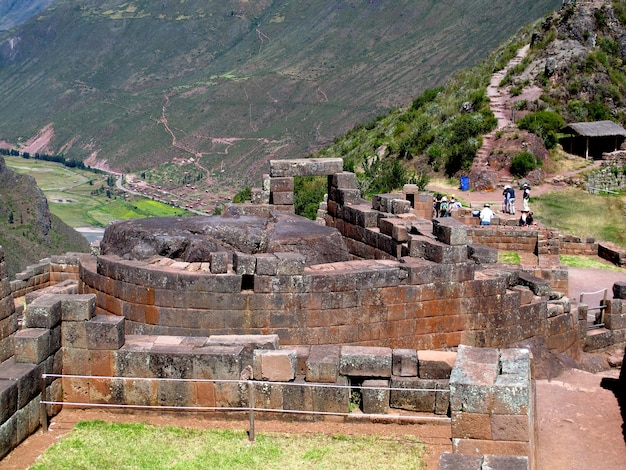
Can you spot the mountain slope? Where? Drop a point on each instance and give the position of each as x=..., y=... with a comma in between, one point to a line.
x=16, y=12
x=229, y=84
x=28, y=231
x=573, y=71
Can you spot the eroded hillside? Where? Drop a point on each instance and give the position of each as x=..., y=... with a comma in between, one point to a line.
x=212, y=86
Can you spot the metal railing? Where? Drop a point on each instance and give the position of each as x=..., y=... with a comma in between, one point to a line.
x=598, y=318
x=250, y=409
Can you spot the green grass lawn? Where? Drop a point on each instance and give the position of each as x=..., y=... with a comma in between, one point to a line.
x=70, y=195
x=100, y=445
x=582, y=214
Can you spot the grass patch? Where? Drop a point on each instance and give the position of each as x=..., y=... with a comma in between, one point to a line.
x=97, y=444
x=582, y=214
x=70, y=194
x=509, y=257
x=578, y=261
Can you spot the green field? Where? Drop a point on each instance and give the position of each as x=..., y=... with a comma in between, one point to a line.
x=96, y=444
x=70, y=194
x=579, y=213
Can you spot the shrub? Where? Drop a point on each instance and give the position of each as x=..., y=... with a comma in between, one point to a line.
x=426, y=97
x=545, y=124
x=242, y=196
x=308, y=193
x=385, y=175
x=524, y=163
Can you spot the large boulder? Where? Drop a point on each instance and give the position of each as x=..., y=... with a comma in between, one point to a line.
x=192, y=239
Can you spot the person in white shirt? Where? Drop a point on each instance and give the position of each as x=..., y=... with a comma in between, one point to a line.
x=486, y=215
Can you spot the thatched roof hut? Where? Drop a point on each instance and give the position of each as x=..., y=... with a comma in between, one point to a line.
x=592, y=139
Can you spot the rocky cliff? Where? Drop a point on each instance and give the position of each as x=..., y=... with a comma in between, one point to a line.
x=28, y=231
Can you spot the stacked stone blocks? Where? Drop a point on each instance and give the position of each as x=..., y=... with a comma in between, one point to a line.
x=493, y=403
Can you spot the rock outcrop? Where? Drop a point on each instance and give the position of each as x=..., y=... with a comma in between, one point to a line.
x=192, y=239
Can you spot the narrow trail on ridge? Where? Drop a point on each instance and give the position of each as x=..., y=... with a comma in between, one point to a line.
x=499, y=98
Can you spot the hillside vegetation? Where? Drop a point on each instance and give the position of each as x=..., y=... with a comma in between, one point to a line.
x=227, y=85
x=574, y=70
x=16, y=12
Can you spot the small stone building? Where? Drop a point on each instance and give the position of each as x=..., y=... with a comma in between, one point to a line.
x=592, y=139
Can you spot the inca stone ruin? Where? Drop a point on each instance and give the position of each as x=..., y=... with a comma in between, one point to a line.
x=375, y=294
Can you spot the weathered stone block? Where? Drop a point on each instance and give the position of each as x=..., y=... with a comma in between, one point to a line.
x=509, y=428
x=170, y=361
x=450, y=231
x=275, y=366
x=8, y=399
x=526, y=294
x=362, y=361
x=302, y=352
x=345, y=196
x=322, y=364
x=422, y=395
x=506, y=462
x=306, y=167
x=27, y=419
x=219, y=262
x=383, y=202
x=8, y=436
x=433, y=250
x=281, y=184
x=404, y=362
x=619, y=290
x=298, y=395
x=282, y=198
x=615, y=322
x=435, y=364
x=375, y=396
x=173, y=393
x=449, y=461
x=105, y=332
x=268, y=396
x=44, y=312
x=8, y=326
x=289, y=264
x=244, y=264
x=400, y=206
x=485, y=447
x=343, y=180
x=249, y=343
x=32, y=345
x=78, y=307
x=472, y=379
x=266, y=264
x=539, y=286
x=482, y=254
x=332, y=399
x=26, y=376
x=74, y=334
x=471, y=425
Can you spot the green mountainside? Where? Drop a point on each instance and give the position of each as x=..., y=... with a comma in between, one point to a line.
x=227, y=85
x=28, y=231
x=573, y=71
x=15, y=12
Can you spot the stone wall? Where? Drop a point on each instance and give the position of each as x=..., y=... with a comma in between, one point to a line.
x=493, y=403
x=25, y=355
x=396, y=304
x=48, y=272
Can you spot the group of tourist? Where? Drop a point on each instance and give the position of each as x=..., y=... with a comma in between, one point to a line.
x=442, y=207
x=508, y=207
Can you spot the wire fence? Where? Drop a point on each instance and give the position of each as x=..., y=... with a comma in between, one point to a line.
x=251, y=409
